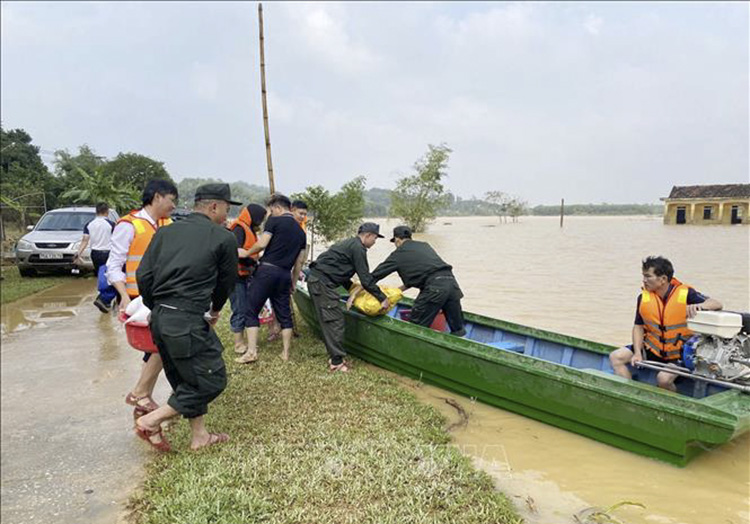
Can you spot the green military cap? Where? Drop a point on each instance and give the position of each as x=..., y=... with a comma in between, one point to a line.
x=215, y=192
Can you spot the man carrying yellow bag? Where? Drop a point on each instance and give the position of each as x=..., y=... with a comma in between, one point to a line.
x=368, y=304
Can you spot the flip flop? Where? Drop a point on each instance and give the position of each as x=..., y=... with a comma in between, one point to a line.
x=146, y=434
x=342, y=368
x=249, y=359
x=213, y=439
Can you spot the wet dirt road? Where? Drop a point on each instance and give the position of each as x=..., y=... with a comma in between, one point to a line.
x=68, y=451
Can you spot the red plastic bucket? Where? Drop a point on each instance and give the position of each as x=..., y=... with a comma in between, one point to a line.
x=439, y=324
x=139, y=335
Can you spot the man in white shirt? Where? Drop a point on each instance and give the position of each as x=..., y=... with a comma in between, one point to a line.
x=129, y=242
x=98, y=233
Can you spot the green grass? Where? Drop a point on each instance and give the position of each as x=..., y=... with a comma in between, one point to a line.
x=313, y=447
x=14, y=286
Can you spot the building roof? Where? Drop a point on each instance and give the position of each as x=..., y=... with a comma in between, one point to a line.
x=712, y=191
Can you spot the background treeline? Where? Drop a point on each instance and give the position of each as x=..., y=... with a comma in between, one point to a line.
x=377, y=204
x=28, y=186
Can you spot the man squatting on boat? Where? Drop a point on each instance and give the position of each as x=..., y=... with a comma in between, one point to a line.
x=661, y=314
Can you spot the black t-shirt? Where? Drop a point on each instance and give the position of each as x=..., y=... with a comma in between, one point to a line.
x=287, y=240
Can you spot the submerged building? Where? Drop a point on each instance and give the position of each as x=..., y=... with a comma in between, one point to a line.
x=705, y=205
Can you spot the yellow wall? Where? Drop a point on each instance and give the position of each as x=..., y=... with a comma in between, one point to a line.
x=721, y=211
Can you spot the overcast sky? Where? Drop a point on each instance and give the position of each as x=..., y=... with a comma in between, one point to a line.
x=593, y=102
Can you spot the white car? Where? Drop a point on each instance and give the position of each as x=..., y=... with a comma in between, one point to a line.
x=52, y=244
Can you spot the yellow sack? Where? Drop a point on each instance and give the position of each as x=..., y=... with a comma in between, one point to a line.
x=369, y=305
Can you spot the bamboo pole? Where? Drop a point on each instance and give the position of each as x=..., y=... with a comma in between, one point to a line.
x=562, y=211
x=269, y=163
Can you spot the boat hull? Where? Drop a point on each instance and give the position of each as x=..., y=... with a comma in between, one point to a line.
x=623, y=413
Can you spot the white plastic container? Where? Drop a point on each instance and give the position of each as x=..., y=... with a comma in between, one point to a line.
x=718, y=323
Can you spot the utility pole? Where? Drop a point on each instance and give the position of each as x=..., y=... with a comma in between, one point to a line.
x=562, y=211
x=271, y=185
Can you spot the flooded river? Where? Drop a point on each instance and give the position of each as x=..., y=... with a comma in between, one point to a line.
x=583, y=280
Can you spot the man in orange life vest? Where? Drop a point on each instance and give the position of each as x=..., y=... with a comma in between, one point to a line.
x=245, y=230
x=661, y=316
x=130, y=238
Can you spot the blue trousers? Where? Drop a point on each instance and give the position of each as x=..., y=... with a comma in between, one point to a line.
x=238, y=300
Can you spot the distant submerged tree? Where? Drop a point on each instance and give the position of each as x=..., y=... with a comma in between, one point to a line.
x=506, y=205
x=334, y=216
x=517, y=207
x=418, y=198
x=499, y=202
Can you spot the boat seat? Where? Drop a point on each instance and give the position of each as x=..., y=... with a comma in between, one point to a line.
x=508, y=346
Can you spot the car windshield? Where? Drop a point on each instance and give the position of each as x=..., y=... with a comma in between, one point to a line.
x=65, y=221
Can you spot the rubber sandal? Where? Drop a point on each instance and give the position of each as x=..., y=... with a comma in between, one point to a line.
x=213, y=439
x=246, y=359
x=343, y=368
x=135, y=401
x=146, y=434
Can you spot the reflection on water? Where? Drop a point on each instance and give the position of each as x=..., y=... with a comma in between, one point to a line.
x=68, y=452
x=583, y=280
x=51, y=305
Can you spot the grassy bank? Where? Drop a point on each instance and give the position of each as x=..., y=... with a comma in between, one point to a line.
x=316, y=448
x=14, y=286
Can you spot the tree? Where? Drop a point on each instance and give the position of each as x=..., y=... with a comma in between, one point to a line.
x=499, y=202
x=241, y=191
x=517, y=207
x=134, y=170
x=67, y=166
x=24, y=179
x=100, y=187
x=418, y=198
x=334, y=216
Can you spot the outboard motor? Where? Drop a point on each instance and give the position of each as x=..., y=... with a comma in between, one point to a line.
x=720, y=349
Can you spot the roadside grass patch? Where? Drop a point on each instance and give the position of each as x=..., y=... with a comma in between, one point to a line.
x=14, y=286
x=308, y=446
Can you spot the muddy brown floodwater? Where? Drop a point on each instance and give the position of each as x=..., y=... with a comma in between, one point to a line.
x=583, y=280
x=68, y=451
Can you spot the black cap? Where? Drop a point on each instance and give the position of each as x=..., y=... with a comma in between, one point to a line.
x=215, y=192
x=401, y=232
x=370, y=227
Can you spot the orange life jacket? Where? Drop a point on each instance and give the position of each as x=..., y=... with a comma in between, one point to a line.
x=665, y=321
x=144, y=232
x=244, y=268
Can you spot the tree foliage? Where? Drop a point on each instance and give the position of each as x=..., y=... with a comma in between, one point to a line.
x=132, y=169
x=101, y=187
x=418, y=198
x=82, y=178
x=334, y=216
x=241, y=191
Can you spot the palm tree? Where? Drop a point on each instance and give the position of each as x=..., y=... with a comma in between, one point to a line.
x=98, y=187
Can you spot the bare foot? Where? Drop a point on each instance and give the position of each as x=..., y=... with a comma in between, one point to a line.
x=239, y=350
x=285, y=356
x=210, y=440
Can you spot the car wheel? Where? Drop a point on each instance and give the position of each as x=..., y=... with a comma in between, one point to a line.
x=27, y=272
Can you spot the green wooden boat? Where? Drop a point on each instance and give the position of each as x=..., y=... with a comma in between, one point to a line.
x=557, y=379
